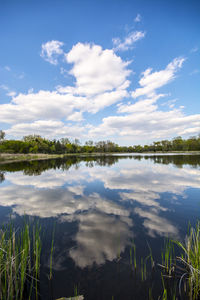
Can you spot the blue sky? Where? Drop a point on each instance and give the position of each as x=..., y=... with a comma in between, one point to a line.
x=128, y=71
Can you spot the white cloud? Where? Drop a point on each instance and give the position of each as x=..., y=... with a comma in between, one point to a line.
x=44, y=105
x=138, y=18
x=51, y=50
x=129, y=41
x=48, y=129
x=147, y=124
x=63, y=71
x=30, y=91
x=76, y=116
x=143, y=120
x=148, y=105
x=151, y=81
x=11, y=94
x=96, y=70
x=101, y=80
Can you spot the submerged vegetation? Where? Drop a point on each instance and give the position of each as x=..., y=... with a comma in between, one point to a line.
x=37, y=144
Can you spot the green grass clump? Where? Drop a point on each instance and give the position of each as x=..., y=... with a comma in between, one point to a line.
x=185, y=268
x=190, y=259
x=19, y=262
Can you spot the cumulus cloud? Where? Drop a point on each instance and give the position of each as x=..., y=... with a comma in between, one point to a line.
x=51, y=50
x=151, y=81
x=101, y=80
x=129, y=41
x=96, y=70
x=151, y=123
x=49, y=129
x=143, y=119
x=44, y=105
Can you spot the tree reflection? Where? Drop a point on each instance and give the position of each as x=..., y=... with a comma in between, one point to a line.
x=2, y=177
x=177, y=160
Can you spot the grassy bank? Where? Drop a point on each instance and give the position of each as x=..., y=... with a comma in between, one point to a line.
x=8, y=158
x=16, y=157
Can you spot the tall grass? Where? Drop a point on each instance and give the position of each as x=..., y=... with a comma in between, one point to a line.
x=190, y=259
x=185, y=268
x=19, y=262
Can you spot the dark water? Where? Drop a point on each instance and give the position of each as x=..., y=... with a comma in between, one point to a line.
x=99, y=207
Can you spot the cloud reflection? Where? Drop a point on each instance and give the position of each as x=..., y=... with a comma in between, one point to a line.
x=156, y=224
x=99, y=238
x=105, y=225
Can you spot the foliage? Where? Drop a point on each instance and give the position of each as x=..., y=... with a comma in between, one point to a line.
x=37, y=144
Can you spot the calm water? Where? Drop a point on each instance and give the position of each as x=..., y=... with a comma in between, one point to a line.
x=99, y=207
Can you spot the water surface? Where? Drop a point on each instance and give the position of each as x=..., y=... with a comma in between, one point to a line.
x=99, y=207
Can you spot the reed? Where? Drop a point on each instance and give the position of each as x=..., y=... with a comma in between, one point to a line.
x=51, y=255
x=19, y=262
x=183, y=270
x=190, y=259
x=168, y=257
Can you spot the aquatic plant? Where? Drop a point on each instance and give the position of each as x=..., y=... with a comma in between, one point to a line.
x=190, y=259
x=185, y=268
x=19, y=262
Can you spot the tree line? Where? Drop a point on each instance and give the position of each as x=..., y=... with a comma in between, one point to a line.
x=38, y=144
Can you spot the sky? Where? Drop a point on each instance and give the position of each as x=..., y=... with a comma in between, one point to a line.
x=125, y=70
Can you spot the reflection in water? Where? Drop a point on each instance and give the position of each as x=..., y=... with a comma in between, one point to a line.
x=49, y=179
x=155, y=224
x=36, y=167
x=2, y=177
x=53, y=203
x=146, y=182
x=99, y=238
x=102, y=201
x=177, y=160
x=101, y=204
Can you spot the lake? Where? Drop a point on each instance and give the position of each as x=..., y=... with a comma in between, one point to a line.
x=108, y=212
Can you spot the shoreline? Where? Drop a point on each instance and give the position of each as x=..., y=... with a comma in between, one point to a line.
x=19, y=157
